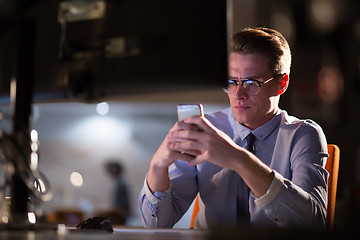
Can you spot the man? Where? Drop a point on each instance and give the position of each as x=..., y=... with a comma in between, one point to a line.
x=120, y=194
x=250, y=163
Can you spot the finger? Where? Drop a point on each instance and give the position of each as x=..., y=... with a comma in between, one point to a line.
x=194, y=162
x=201, y=122
x=183, y=156
x=193, y=153
x=181, y=125
x=188, y=147
x=173, y=138
x=180, y=136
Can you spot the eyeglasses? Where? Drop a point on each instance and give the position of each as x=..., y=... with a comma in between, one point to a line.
x=251, y=86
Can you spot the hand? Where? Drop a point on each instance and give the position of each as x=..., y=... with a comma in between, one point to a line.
x=165, y=156
x=218, y=148
x=158, y=178
x=210, y=144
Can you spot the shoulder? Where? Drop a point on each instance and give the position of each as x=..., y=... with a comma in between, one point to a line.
x=301, y=128
x=299, y=124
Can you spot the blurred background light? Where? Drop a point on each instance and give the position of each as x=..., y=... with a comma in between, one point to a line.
x=331, y=84
x=324, y=14
x=76, y=179
x=283, y=20
x=283, y=23
x=34, y=135
x=32, y=217
x=34, y=161
x=99, y=131
x=102, y=108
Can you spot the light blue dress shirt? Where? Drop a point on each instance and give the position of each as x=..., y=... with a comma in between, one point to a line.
x=295, y=149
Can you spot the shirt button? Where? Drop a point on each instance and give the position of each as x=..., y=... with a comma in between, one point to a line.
x=153, y=215
x=276, y=220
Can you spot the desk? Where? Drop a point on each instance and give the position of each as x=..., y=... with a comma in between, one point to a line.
x=126, y=233
x=121, y=233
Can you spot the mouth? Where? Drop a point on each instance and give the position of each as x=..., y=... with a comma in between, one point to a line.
x=241, y=107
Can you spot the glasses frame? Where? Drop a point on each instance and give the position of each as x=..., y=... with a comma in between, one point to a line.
x=241, y=82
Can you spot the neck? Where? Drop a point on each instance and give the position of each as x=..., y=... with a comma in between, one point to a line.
x=267, y=118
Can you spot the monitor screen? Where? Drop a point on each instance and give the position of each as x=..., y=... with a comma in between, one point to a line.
x=89, y=50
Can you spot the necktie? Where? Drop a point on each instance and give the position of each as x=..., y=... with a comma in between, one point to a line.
x=250, y=142
x=243, y=214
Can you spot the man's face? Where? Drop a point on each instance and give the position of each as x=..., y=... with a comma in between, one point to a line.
x=253, y=110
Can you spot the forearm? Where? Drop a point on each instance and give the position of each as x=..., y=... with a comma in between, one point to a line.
x=255, y=173
x=158, y=178
x=291, y=207
x=283, y=201
x=156, y=209
x=165, y=208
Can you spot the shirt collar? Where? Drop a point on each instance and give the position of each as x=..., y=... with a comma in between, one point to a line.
x=261, y=133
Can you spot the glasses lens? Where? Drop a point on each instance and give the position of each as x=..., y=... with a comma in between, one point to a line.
x=251, y=86
x=231, y=87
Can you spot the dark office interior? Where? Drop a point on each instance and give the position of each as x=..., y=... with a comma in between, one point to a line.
x=138, y=60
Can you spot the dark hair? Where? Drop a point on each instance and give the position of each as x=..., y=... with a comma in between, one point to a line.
x=114, y=167
x=267, y=42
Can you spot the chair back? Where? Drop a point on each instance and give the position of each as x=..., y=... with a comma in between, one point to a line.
x=195, y=212
x=332, y=166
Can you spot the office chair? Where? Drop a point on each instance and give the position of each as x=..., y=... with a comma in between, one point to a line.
x=332, y=166
x=195, y=212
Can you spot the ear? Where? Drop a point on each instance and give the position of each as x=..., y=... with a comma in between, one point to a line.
x=284, y=83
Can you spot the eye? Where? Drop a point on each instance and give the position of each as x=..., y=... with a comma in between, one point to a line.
x=231, y=82
x=250, y=83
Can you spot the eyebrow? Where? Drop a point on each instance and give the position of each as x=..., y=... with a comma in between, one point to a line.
x=251, y=77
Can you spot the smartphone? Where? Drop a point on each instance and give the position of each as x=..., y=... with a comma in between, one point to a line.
x=189, y=110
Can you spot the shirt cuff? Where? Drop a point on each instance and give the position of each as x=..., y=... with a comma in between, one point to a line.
x=156, y=197
x=272, y=192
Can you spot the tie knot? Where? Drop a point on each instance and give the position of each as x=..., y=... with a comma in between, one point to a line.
x=250, y=142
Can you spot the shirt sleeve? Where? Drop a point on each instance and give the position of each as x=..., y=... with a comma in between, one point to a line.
x=301, y=200
x=164, y=209
x=150, y=203
x=272, y=192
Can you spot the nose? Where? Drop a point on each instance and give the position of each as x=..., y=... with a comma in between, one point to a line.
x=240, y=93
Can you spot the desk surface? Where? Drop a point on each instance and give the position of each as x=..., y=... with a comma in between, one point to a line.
x=119, y=233
x=126, y=233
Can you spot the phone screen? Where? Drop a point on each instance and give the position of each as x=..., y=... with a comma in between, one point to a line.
x=188, y=110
